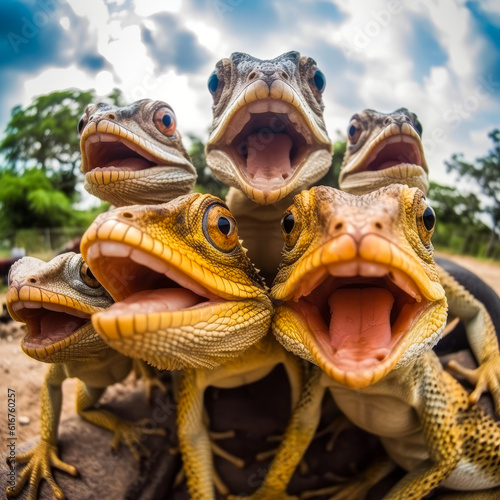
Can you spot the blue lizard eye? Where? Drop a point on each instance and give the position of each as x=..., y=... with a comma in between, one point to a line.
x=167, y=120
x=354, y=131
x=213, y=83
x=418, y=127
x=319, y=80
x=429, y=219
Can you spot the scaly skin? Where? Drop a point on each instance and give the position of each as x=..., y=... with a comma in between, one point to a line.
x=384, y=149
x=56, y=300
x=130, y=155
x=389, y=383
x=267, y=140
x=188, y=298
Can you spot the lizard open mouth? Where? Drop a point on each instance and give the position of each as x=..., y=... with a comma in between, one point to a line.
x=165, y=300
x=361, y=315
x=111, y=153
x=268, y=136
x=51, y=326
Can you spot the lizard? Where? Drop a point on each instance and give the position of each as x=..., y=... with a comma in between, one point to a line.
x=188, y=298
x=383, y=149
x=267, y=141
x=56, y=300
x=360, y=298
x=134, y=154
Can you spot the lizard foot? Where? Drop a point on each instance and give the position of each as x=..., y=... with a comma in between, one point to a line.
x=39, y=462
x=485, y=377
x=132, y=434
x=150, y=383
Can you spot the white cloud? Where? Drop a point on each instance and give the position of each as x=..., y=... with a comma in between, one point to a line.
x=145, y=8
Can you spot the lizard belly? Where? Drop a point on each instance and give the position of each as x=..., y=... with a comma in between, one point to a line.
x=390, y=418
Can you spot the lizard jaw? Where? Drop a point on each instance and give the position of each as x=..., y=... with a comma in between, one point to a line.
x=112, y=155
x=51, y=326
x=395, y=308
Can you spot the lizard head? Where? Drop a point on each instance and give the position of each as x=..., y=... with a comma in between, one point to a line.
x=134, y=154
x=268, y=136
x=383, y=149
x=358, y=286
x=56, y=300
x=186, y=293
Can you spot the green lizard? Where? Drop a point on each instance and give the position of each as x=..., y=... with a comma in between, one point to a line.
x=384, y=149
x=187, y=298
x=56, y=300
x=267, y=140
x=134, y=154
x=361, y=299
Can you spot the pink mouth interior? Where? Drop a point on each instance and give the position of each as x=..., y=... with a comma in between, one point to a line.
x=269, y=160
x=106, y=154
x=357, y=322
x=48, y=327
x=394, y=154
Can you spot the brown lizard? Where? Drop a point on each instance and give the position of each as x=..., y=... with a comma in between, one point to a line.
x=134, y=154
x=267, y=140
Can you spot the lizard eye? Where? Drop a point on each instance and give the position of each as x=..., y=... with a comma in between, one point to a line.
x=429, y=218
x=165, y=122
x=213, y=83
x=289, y=228
x=418, y=127
x=220, y=228
x=82, y=124
x=87, y=276
x=354, y=131
x=320, y=81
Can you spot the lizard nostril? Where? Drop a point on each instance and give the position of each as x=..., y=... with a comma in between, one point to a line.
x=127, y=215
x=111, y=116
x=32, y=280
x=378, y=225
x=283, y=74
x=339, y=225
x=252, y=75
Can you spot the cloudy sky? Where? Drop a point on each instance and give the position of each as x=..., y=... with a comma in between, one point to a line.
x=438, y=58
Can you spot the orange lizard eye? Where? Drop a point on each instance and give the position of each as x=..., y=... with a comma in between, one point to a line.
x=87, y=276
x=290, y=229
x=220, y=228
x=164, y=119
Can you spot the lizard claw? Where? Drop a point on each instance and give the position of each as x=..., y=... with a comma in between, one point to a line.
x=132, y=434
x=485, y=377
x=39, y=462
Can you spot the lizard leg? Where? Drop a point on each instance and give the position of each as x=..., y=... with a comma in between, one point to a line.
x=130, y=433
x=194, y=440
x=299, y=433
x=40, y=460
x=481, y=336
x=150, y=380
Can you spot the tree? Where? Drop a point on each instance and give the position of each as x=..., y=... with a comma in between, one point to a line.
x=44, y=136
x=485, y=171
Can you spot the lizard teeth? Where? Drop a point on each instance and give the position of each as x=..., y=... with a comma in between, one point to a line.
x=110, y=249
x=405, y=283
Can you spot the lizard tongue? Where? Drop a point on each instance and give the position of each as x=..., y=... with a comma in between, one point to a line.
x=360, y=324
x=150, y=301
x=270, y=160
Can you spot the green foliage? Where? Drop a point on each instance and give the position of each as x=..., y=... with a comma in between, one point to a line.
x=332, y=176
x=485, y=172
x=44, y=135
x=207, y=182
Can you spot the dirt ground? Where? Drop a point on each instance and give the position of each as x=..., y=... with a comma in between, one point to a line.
x=25, y=376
